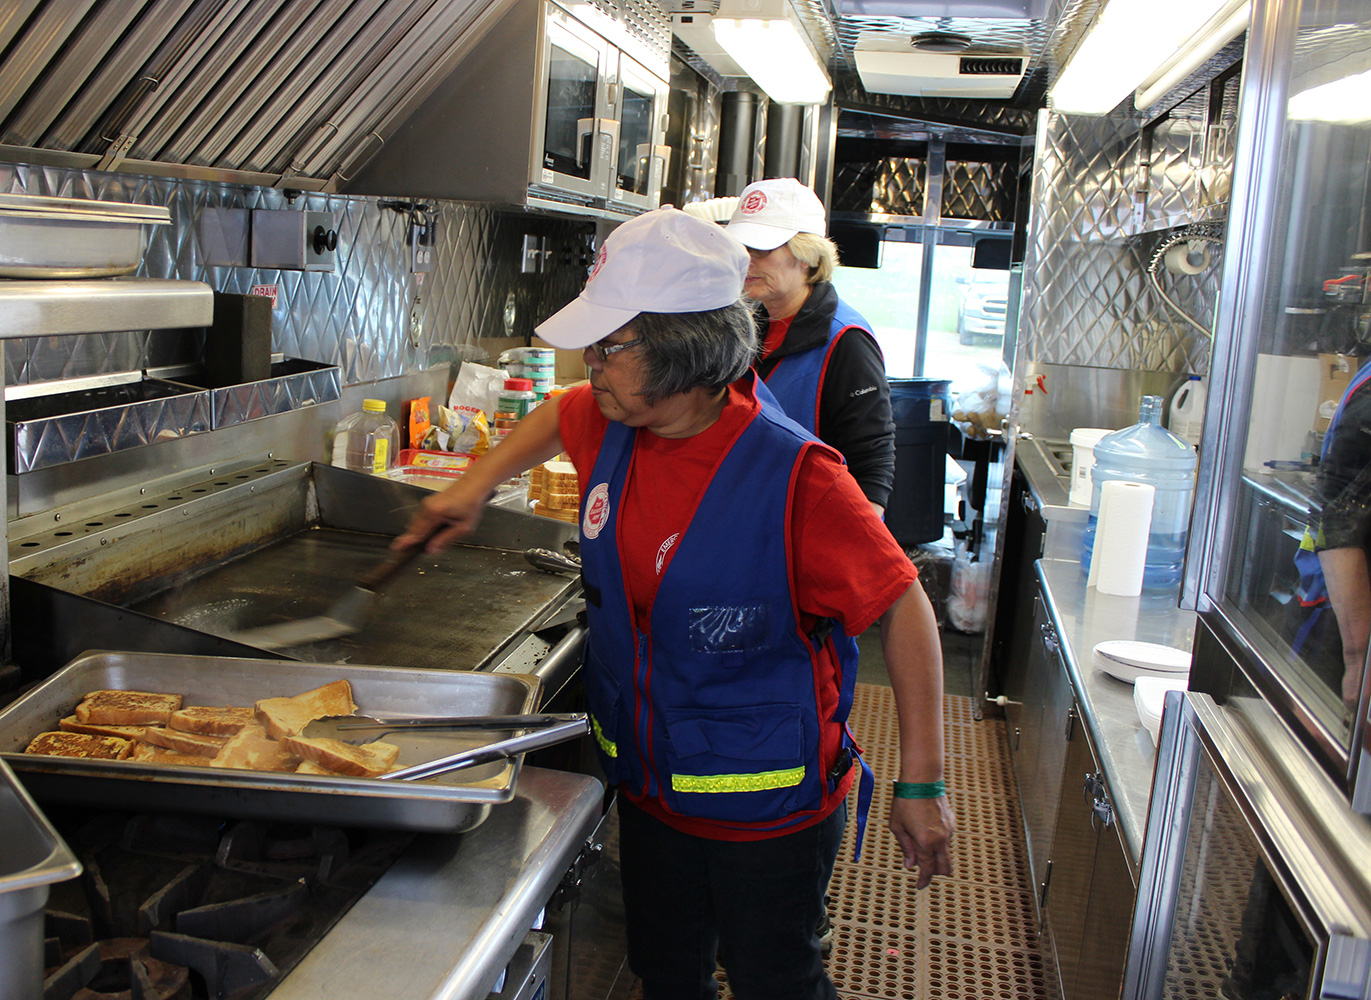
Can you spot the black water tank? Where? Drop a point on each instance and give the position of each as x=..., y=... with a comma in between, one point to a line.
x=920, y=407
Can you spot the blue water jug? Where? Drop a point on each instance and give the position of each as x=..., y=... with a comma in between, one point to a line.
x=1147, y=453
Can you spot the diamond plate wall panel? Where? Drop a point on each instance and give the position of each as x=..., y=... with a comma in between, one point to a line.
x=978, y=191
x=357, y=317
x=701, y=129
x=900, y=186
x=1102, y=201
x=1002, y=116
x=854, y=185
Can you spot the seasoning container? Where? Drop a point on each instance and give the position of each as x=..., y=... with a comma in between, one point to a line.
x=513, y=404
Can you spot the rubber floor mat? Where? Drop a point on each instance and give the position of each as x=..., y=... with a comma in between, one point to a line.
x=971, y=936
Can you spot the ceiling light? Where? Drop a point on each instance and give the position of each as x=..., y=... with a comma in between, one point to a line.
x=1345, y=100
x=1130, y=41
x=1222, y=28
x=763, y=37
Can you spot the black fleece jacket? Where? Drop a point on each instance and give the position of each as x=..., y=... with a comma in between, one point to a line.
x=854, y=404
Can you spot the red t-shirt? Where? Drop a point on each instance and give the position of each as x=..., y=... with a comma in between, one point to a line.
x=775, y=333
x=846, y=564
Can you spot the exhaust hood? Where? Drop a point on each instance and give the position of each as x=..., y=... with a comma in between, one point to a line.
x=285, y=93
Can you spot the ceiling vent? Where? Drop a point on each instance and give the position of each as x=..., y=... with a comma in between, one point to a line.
x=890, y=66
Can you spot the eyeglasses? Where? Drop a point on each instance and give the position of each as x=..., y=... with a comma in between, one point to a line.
x=603, y=350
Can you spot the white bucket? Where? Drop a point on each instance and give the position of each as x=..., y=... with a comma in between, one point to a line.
x=1083, y=441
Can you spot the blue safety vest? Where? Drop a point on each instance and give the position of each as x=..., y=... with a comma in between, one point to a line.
x=715, y=710
x=797, y=381
x=1313, y=589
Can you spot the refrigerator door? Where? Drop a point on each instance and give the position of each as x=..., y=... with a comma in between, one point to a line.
x=1278, y=563
x=1253, y=880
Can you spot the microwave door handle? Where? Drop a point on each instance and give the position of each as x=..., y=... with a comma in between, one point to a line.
x=662, y=154
x=584, y=128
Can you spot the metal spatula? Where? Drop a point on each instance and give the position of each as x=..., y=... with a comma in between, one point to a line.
x=344, y=617
x=360, y=729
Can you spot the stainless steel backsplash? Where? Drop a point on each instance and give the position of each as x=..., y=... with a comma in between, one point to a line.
x=1105, y=194
x=358, y=316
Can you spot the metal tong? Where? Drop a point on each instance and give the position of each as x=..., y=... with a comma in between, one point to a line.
x=543, y=731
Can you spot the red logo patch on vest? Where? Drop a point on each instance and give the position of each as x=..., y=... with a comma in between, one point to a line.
x=753, y=203
x=597, y=511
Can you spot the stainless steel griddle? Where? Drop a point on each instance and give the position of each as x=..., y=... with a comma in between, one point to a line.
x=454, y=609
x=184, y=571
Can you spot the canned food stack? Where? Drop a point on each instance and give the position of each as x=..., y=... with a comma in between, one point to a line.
x=537, y=364
x=555, y=491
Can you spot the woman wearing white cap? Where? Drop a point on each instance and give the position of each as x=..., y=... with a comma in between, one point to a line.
x=721, y=547
x=818, y=356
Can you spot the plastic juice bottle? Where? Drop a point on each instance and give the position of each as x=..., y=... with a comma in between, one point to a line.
x=1147, y=453
x=367, y=441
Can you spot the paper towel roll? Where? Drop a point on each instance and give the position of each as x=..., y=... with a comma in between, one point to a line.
x=1125, y=521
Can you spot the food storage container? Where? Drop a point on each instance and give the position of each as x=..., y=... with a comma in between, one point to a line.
x=72, y=237
x=33, y=857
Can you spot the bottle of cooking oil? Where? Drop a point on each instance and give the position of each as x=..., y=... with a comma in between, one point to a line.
x=367, y=441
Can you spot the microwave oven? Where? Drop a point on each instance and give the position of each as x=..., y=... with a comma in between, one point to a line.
x=548, y=109
x=1256, y=874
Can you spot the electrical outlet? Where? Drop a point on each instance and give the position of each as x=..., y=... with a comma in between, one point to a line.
x=420, y=248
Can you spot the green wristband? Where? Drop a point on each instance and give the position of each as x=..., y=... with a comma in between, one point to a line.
x=920, y=789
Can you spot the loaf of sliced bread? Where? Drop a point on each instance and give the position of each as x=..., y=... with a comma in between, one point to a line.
x=127, y=708
x=284, y=717
x=71, y=725
x=210, y=720
x=365, y=761
x=85, y=745
x=149, y=753
x=197, y=744
x=251, y=749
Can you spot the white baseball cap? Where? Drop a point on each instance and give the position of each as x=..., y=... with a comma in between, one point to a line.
x=662, y=262
x=770, y=212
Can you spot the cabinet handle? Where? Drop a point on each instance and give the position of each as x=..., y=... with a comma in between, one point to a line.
x=1094, y=786
x=1101, y=810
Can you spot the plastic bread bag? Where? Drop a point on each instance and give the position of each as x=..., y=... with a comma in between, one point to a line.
x=465, y=431
x=476, y=387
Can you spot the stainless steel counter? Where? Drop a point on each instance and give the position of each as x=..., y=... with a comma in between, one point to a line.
x=444, y=921
x=1084, y=618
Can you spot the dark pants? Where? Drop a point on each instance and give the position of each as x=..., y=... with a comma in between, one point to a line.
x=756, y=903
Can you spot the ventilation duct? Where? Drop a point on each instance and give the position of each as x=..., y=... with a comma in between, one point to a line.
x=890, y=66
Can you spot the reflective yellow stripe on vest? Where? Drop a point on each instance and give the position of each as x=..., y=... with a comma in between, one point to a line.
x=607, y=745
x=759, y=782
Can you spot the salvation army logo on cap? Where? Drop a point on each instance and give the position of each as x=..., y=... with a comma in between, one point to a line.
x=753, y=203
x=600, y=259
x=597, y=511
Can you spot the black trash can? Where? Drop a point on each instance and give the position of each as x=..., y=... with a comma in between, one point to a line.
x=921, y=407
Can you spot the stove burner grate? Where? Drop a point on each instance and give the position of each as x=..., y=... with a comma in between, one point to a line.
x=180, y=908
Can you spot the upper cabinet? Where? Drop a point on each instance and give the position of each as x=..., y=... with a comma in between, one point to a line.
x=1278, y=566
x=550, y=110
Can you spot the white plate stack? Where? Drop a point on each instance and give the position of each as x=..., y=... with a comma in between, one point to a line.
x=1152, y=669
x=1149, y=697
x=1128, y=659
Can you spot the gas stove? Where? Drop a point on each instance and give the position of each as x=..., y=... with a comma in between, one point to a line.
x=173, y=907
